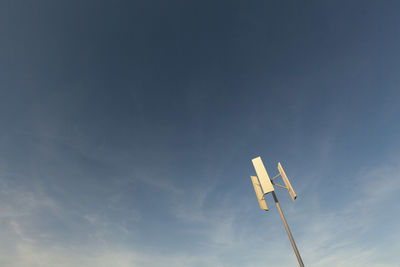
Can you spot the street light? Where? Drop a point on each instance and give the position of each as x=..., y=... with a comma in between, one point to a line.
x=267, y=186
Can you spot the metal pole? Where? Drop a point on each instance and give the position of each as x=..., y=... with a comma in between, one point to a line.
x=288, y=231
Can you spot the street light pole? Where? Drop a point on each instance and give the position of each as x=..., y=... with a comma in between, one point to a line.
x=267, y=185
x=296, y=251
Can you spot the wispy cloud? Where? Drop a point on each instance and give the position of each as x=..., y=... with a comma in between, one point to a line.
x=222, y=234
x=338, y=236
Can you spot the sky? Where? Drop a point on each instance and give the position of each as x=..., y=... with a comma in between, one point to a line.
x=127, y=130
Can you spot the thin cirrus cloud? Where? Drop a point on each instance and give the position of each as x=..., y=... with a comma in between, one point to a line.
x=127, y=132
x=328, y=238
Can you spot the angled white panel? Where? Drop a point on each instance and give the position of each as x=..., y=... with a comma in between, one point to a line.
x=286, y=181
x=262, y=175
x=259, y=194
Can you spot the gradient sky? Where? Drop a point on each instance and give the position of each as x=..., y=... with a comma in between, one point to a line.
x=127, y=130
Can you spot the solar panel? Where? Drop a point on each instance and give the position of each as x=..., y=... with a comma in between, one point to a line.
x=286, y=181
x=262, y=175
x=259, y=194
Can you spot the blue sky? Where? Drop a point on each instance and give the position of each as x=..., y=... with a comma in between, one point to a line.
x=127, y=131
